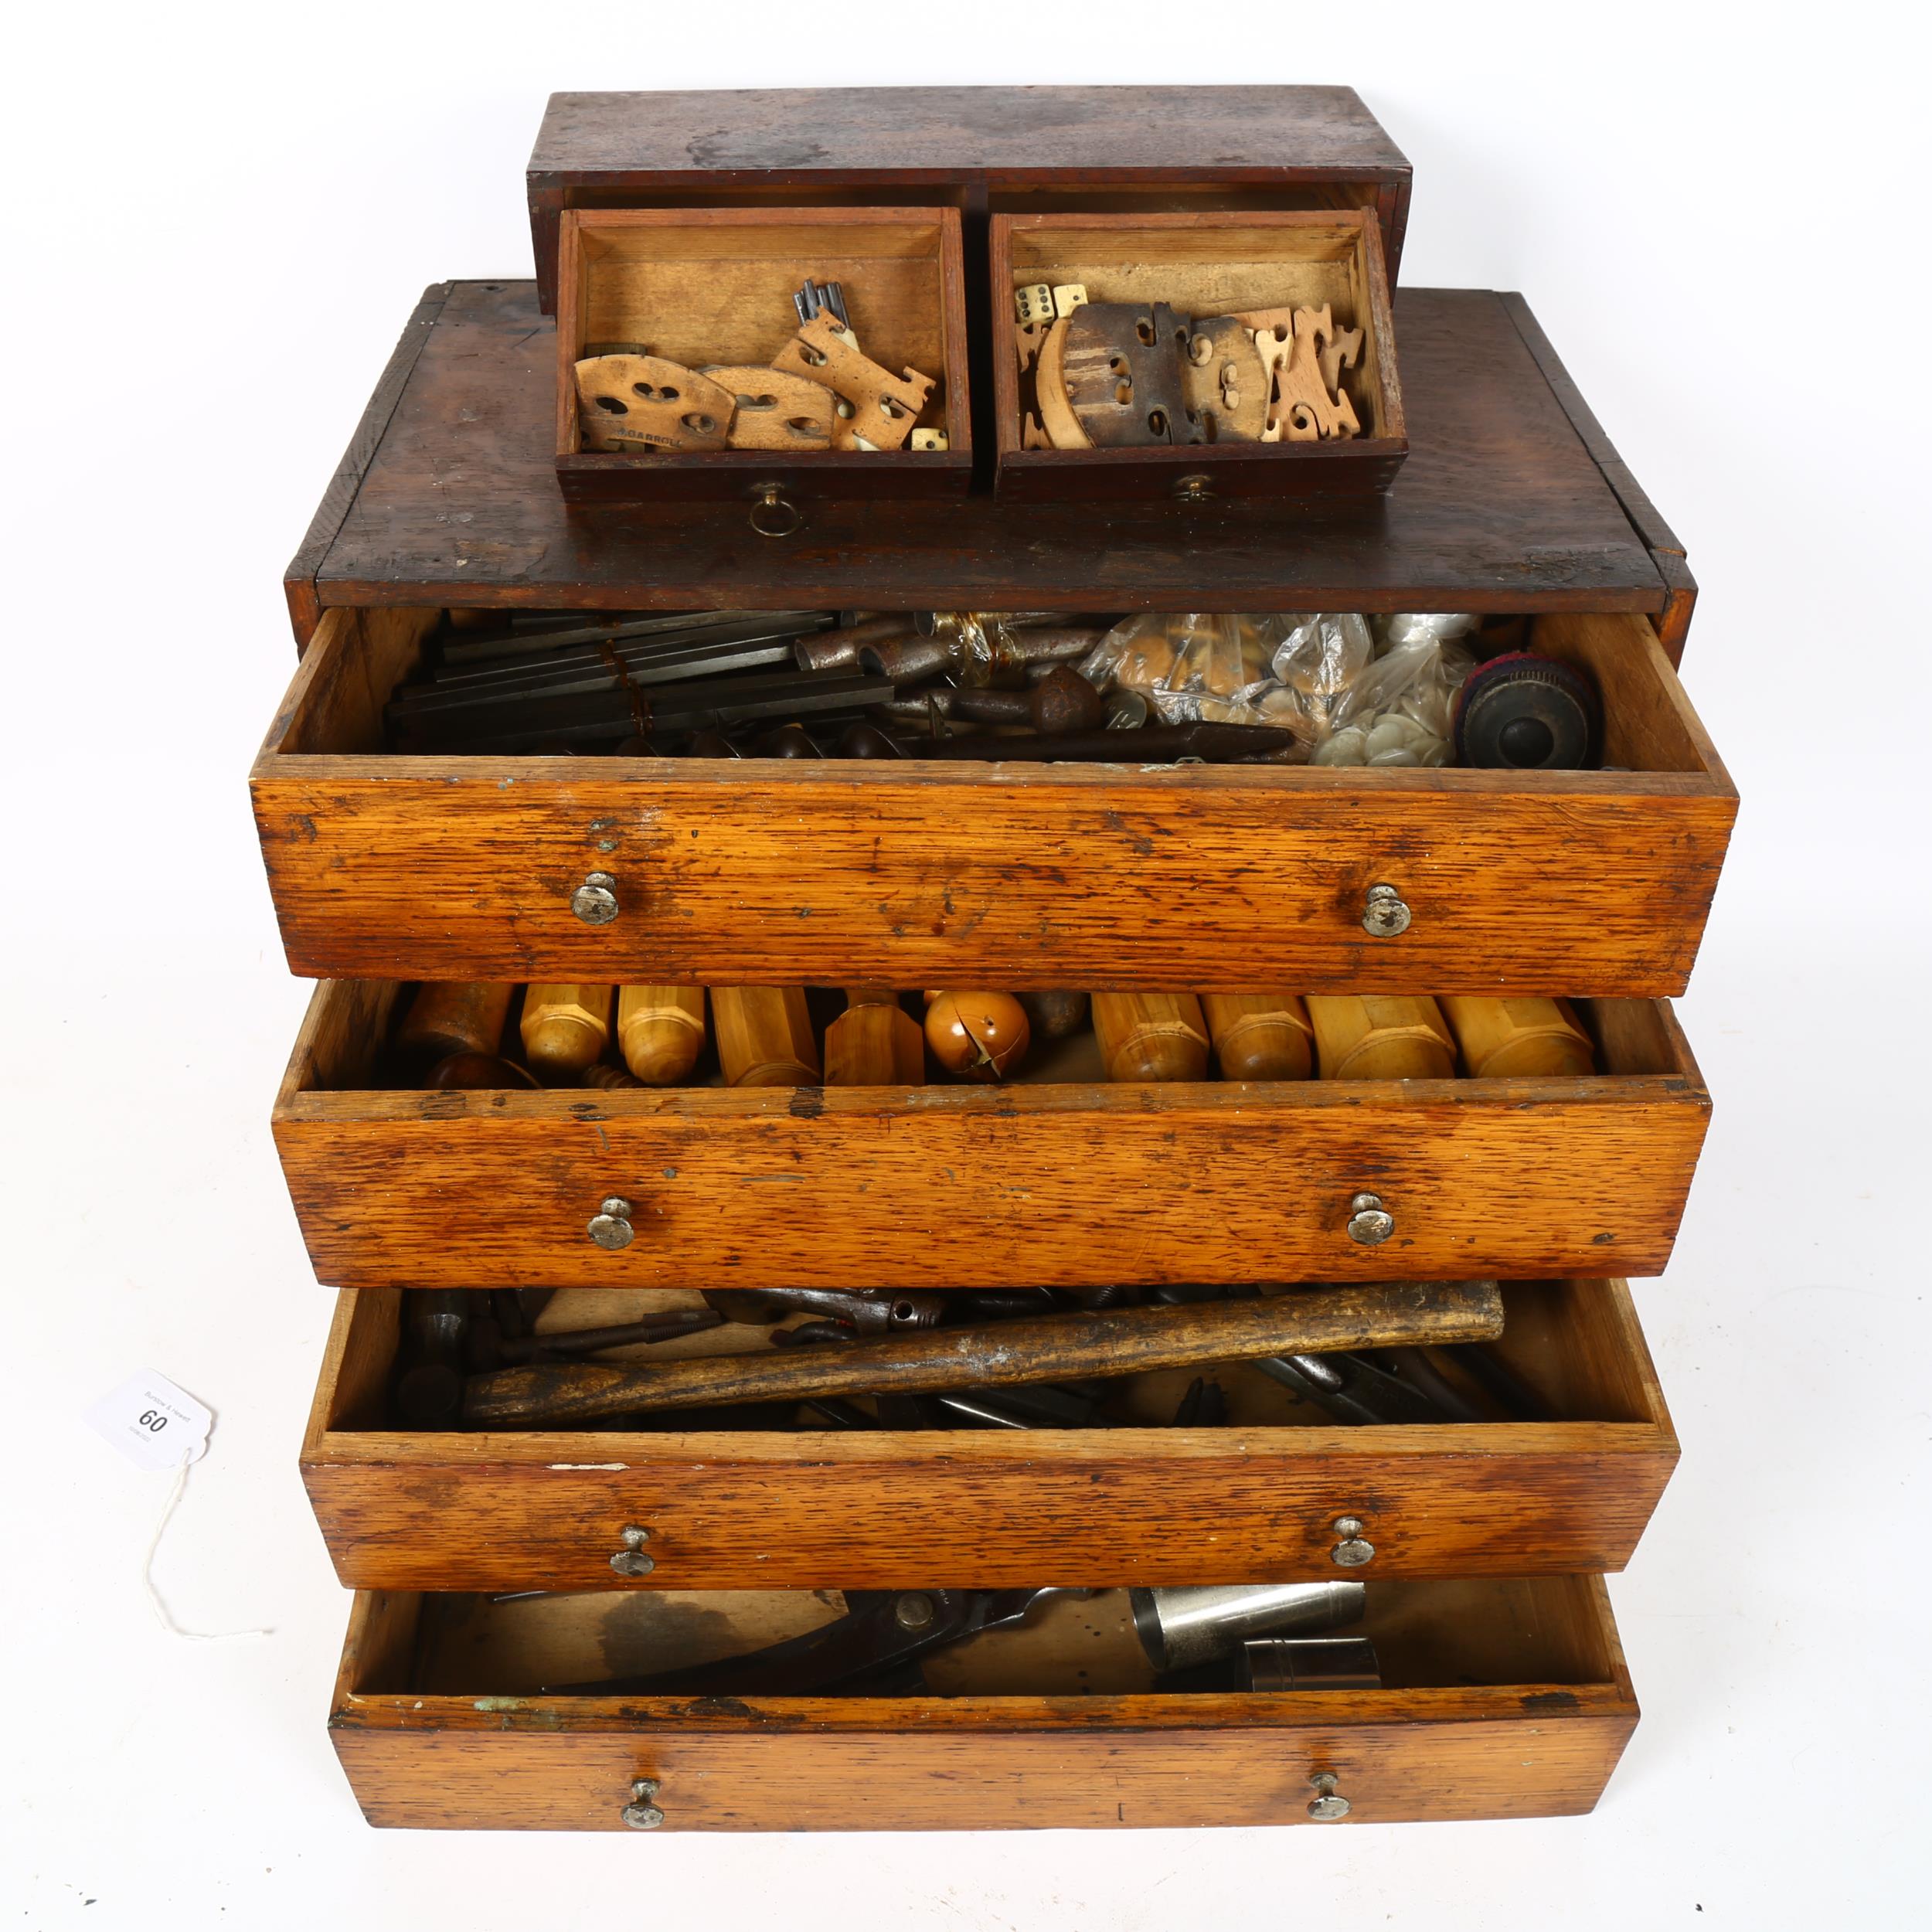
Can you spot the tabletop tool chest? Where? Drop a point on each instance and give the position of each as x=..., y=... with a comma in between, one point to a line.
x=1024, y=538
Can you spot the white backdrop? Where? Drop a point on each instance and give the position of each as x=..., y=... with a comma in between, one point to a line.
x=218, y=218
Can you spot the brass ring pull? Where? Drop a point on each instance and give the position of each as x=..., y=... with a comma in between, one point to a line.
x=773, y=512
x=1193, y=488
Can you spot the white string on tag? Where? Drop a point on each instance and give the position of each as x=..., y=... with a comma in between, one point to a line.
x=154, y=1603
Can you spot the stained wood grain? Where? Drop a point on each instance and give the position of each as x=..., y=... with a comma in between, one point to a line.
x=304, y=607
x=919, y=872
x=1495, y=1750
x=502, y=1511
x=1500, y=506
x=1666, y=551
x=972, y=146
x=986, y=1187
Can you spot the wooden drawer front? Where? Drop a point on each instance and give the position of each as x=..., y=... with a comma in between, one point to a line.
x=439, y=1727
x=977, y=1186
x=915, y=873
x=405, y=1509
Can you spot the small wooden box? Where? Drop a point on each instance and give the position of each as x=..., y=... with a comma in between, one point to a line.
x=1203, y=265
x=1254, y=1502
x=976, y=149
x=1059, y=1179
x=715, y=287
x=1500, y=1699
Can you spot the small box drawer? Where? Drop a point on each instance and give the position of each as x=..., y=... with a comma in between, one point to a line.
x=712, y=287
x=1256, y=1500
x=913, y=873
x=1202, y=265
x=1502, y=1699
x=1041, y=1180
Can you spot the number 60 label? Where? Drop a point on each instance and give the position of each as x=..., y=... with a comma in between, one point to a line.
x=153, y=1422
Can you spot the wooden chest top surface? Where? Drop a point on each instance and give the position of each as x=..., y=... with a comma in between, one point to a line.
x=1511, y=499
x=971, y=133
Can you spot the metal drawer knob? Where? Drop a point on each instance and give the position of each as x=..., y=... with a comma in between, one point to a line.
x=1369, y=1222
x=1352, y=1552
x=631, y=1560
x=595, y=902
x=1195, y=488
x=641, y=1815
x=611, y=1225
x=773, y=512
x=1328, y=1804
x=1383, y=913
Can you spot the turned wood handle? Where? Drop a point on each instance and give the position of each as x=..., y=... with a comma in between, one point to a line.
x=1102, y=1342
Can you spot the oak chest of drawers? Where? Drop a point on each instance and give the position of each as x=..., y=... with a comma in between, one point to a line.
x=493, y=1566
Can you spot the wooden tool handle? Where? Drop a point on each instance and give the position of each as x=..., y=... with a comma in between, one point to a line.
x=874, y=1043
x=1259, y=1036
x=1378, y=1037
x=1101, y=1341
x=765, y=1036
x=565, y=1030
x=660, y=1031
x=1502, y=1039
x=1151, y=1037
x=450, y=1017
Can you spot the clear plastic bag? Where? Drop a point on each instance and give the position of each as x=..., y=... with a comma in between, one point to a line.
x=1400, y=709
x=1189, y=665
x=1359, y=693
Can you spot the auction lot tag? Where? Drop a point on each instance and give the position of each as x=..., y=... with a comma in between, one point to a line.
x=152, y=1422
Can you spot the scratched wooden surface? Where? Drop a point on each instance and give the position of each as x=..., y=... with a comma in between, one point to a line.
x=1486, y=1748
x=976, y=1186
x=972, y=148
x=1500, y=506
x=908, y=874
x=403, y=1509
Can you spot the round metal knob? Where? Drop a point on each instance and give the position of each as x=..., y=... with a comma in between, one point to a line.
x=1328, y=1804
x=1383, y=914
x=595, y=902
x=1193, y=488
x=631, y=1560
x=641, y=1814
x=611, y=1225
x=1369, y=1222
x=773, y=512
x=1352, y=1551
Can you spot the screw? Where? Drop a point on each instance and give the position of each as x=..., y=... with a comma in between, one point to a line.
x=1328, y=1804
x=1384, y=914
x=610, y=1227
x=641, y=1814
x=595, y=902
x=1369, y=1222
x=914, y=1610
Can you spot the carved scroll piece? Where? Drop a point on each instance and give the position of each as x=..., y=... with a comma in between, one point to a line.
x=884, y=406
x=1302, y=409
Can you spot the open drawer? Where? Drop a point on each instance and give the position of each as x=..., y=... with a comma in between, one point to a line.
x=917, y=872
x=1500, y=1699
x=1051, y=1179
x=1254, y=1500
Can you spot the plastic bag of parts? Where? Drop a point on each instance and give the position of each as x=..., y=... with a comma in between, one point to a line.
x=1189, y=665
x=1399, y=708
x=1358, y=691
